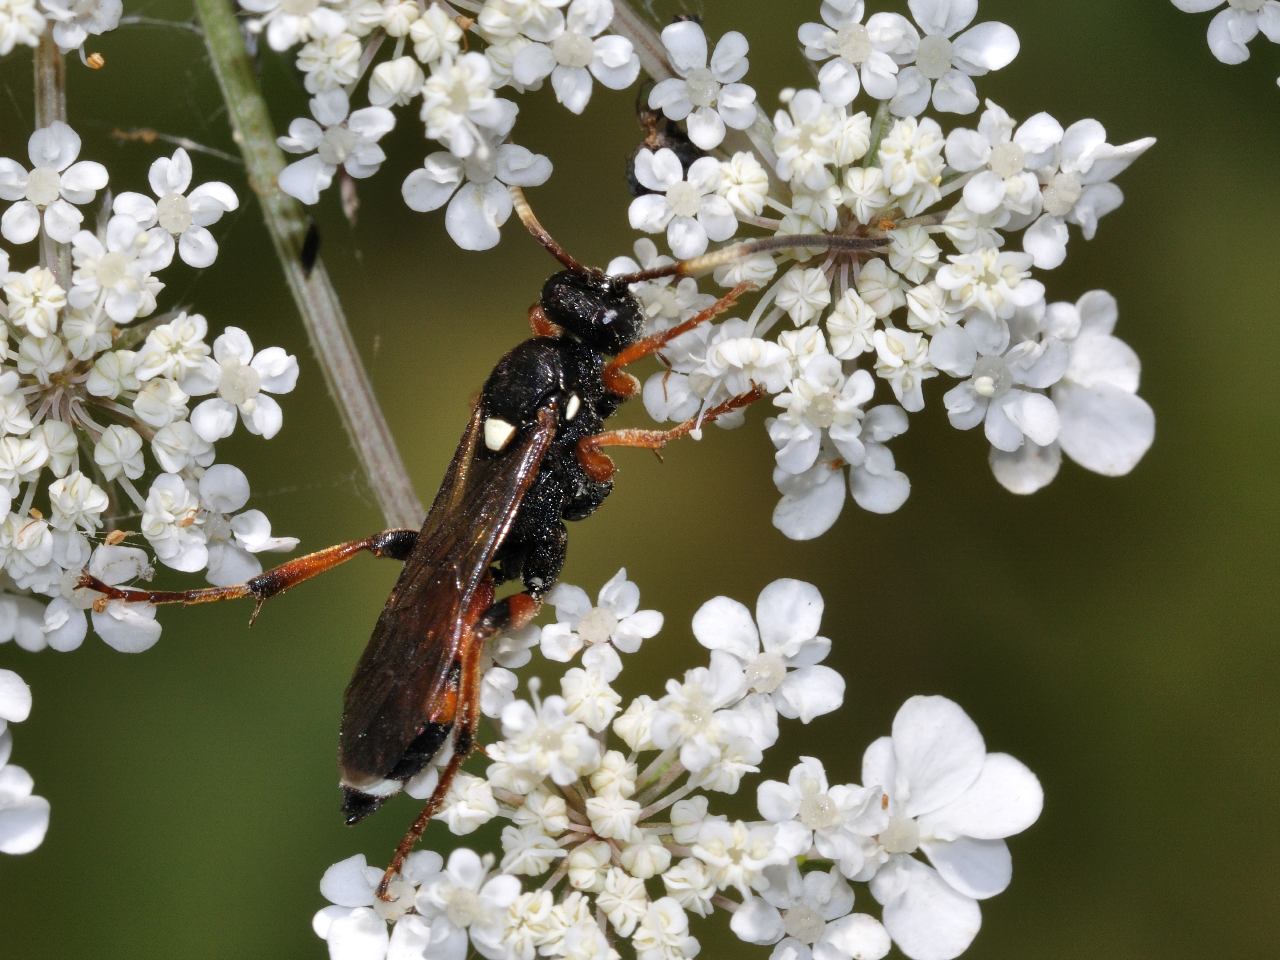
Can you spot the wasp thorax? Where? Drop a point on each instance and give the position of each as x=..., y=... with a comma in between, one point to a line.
x=594, y=308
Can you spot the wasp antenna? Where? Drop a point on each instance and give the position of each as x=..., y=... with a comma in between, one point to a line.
x=531, y=223
x=738, y=251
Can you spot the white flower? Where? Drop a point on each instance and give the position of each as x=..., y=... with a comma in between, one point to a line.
x=615, y=623
x=902, y=358
x=809, y=918
x=737, y=853
x=944, y=67
x=708, y=97
x=663, y=933
x=575, y=53
x=243, y=381
x=232, y=540
x=20, y=23
x=1076, y=188
x=435, y=35
x=35, y=301
x=177, y=213
x=288, y=23
x=820, y=403
x=174, y=348
x=693, y=716
x=806, y=137
x=350, y=142
x=171, y=522
x=856, y=51
x=330, y=62
x=355, y=926
x=74, y=23
x=114, y=272
x=991, y=282
x=1001, y=391
x=911, y=157
x=463, y=900
x=48, y=192
x=839, y=822
x=1104, y=426
x=951, y=800
x=812, y=501
x=459, y=107
x=125, y=627
x=687, y=206
x=475, y=188
x=541, y=740
x=1003, y=160
x=24, y=818
x=396, y=82
x=780, y=657
x=1231, y=29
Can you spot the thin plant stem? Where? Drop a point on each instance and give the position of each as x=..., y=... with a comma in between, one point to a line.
x=630, y=23
x=312, y=290
x=50, y=106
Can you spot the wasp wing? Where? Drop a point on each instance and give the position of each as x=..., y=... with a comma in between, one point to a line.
x=407, y=676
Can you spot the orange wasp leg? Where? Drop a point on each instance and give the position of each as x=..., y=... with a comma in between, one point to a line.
x=620, y=383
x=396, y=544
x=600, y=466
x=510, y=613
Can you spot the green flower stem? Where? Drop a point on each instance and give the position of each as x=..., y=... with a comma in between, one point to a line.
x=51, y=104
x=312, y=290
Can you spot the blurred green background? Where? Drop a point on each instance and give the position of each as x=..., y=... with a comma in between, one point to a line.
x=1119, y=636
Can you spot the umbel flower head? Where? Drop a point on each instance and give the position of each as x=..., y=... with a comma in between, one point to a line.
x=610, y=842
x=101, y=409
x=970, y=206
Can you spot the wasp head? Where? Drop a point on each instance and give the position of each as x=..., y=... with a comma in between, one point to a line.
x=593, y=307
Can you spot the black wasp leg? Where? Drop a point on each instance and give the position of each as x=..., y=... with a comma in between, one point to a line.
x=395, y=544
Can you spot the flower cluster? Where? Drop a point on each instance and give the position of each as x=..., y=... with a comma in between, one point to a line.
x=71, y=23
x=1232, y=29
x=961, y=218
x=845, y=339
x=609, y=831
x=24, y=818
x=451, y=68
x=103, y=413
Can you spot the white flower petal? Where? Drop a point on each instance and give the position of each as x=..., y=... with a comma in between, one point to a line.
x=938, y=750
x=725, y=624
x=928, y=920
x=346, y=883
x=475, y=213
x=987, y=46
x=808, y=693
x=1104, y=429
x=788, y=612
x=1006, y=799
x=197, y=248
x=1027, y=469
x=976, y=868
x=15, y=697
x=23, y=823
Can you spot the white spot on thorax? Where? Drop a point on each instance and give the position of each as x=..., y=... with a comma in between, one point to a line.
x=497, y=433
x=572, y=407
